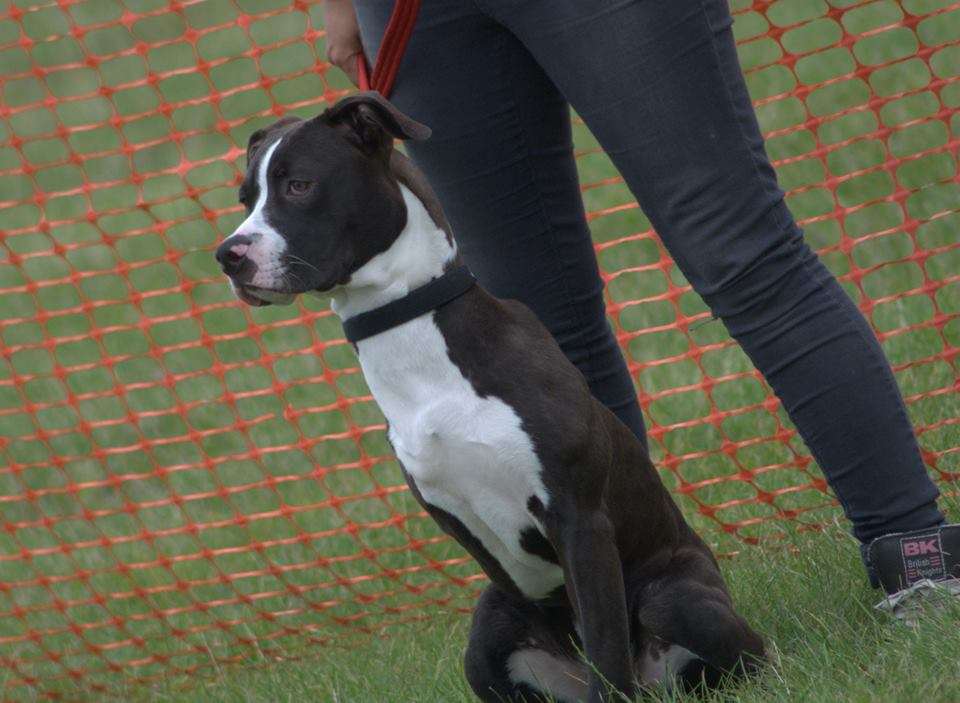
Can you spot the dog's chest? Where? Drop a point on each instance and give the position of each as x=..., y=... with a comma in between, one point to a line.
x=467, y=455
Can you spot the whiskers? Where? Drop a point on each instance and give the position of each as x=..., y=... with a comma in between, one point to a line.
x=289, y=276
x=291, y=281
x=294, y=260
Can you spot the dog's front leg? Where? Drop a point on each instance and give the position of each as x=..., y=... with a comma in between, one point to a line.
x=594, y=581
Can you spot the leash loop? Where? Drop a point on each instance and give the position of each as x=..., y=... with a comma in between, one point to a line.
x=394, y=44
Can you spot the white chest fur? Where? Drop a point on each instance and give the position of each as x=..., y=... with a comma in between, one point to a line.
x=467, y=455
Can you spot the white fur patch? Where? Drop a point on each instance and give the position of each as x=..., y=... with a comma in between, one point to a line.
x=560, y=677
x=663, y=666
x=467, y=455
x=267, y=245
x=418, y=254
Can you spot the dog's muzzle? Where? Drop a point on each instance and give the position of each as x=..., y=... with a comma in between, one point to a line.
x=233, y=259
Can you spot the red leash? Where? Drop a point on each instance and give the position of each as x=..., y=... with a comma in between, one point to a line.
x=394, y=43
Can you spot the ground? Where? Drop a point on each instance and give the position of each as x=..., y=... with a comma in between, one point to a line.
x=810, y=601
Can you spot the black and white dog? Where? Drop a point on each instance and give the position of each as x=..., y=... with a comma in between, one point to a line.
x=498, y=435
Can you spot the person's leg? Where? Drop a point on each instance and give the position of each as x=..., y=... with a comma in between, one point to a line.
x=501, y=161
x=660, y=85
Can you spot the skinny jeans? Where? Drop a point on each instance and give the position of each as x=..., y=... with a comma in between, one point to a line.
x=659, y=84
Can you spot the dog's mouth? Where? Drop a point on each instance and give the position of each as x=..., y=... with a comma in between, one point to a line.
x=258, y=297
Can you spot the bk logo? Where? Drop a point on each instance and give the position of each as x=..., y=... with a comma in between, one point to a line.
x=920, y=547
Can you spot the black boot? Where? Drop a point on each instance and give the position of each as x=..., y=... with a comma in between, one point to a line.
x=909, y=565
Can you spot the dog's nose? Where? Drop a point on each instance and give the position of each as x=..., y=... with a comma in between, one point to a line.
x=232, y=253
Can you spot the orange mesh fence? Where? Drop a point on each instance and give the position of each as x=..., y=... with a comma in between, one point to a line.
x=185, y=481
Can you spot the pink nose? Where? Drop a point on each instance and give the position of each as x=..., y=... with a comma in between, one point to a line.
x=232, y=254
x=239, y=250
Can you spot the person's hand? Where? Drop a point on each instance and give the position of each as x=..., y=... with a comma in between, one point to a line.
x=343, y=36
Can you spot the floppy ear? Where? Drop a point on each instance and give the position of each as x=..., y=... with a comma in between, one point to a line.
x=371, y=122
x=257, y=138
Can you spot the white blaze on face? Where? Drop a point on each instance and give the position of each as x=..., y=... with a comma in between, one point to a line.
x=267, y=245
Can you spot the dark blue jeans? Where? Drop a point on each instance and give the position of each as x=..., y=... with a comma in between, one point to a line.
x=659, y=84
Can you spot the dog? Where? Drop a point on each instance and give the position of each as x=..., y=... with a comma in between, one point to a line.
x=496, y=431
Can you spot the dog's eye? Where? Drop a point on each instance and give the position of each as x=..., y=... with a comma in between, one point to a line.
x=298, y=187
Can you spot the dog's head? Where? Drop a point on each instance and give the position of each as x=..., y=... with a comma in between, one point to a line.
x=320, y=200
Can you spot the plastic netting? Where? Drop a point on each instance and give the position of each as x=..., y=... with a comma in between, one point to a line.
x=185, y=481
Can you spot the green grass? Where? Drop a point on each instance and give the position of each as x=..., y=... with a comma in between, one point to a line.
x=811, y=603
x=186, y=474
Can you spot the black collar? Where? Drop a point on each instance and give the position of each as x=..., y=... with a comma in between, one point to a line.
x=437, y=293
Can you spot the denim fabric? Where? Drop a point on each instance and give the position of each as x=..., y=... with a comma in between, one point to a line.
x=659, y=84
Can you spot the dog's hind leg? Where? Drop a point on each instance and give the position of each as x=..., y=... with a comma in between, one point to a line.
x=699, y=617
x=519, y=651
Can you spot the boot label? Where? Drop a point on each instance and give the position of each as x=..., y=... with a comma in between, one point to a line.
x=922, y=558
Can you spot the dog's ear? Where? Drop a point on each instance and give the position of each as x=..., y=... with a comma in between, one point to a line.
x=371, y=122
x=258, y=137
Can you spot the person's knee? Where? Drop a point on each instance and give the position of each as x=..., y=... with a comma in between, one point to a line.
x=737, y=252
x=583, y=337
x=759, y=290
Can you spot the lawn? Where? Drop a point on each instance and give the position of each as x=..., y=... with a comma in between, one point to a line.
x=186, y=483
x=810, y=601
